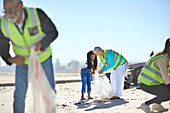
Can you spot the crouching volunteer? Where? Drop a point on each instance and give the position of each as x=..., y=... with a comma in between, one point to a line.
x=118, y=64
x=87, y=70
x=155, y=79
x=26, y=27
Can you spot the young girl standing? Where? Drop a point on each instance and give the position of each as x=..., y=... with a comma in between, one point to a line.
x=87, y=70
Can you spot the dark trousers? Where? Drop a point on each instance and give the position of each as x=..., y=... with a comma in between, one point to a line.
x=162, y=92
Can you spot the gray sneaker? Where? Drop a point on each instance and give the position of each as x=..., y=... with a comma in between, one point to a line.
x=146, y=108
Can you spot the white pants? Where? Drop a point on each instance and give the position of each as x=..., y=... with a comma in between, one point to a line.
x=117, y=79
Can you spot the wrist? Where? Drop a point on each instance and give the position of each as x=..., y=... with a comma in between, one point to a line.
x=10, y=60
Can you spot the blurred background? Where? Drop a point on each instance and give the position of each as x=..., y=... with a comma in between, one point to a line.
x=133, y=28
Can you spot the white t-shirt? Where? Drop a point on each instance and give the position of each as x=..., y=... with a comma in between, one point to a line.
x=85, y=65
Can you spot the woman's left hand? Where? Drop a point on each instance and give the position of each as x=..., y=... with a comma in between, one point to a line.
x=101, y=71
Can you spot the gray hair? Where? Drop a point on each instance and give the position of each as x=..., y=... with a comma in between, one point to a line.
x=16, y=1
x=97, y=49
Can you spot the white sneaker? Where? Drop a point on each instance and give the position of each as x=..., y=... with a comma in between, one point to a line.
x=146, y=108
x=159, y=107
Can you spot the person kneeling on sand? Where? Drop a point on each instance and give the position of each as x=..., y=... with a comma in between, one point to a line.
x=87, y=70
x=154, y=79
x=118, y=64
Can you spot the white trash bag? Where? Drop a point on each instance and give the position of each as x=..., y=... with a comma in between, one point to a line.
x=44, y=97
x=103, y=87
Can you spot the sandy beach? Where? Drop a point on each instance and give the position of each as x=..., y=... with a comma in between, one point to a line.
x=68, y=94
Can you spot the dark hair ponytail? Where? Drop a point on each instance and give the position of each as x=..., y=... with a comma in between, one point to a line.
x=166, y=49
x=89, y=63
x=167, y=46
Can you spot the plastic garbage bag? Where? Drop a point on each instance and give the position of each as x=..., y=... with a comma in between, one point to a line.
x=103, y=87
x=44, y=97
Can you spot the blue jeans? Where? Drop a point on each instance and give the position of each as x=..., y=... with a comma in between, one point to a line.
x=86, y=80
x=21, y=83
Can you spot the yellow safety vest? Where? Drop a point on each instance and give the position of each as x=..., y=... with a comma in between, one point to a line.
x=150, y=75
x=31, y=35
x=118, y=59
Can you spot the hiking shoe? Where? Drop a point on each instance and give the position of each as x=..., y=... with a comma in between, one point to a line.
x=146, y=108
x=159, y=107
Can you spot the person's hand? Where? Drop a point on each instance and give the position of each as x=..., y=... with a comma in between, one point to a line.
x=92, y=73
x=18, y=60
x=38, y=46
x=101, y=71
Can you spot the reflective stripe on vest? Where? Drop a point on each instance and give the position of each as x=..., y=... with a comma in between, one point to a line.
x=23, y=48
x=6, y=30
x=120, y=60
x=35, y=23
x=40, y=53
x=150, y=75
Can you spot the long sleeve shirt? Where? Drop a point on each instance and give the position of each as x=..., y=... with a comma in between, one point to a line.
x=162, y=64
x=47, y=27
x=110, y=59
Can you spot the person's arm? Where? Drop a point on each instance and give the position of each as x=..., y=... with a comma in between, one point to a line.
x=162, y=63
x=48, y=28
x=4, y=52
x=91, y=72
x=4, y=48
x=110, y=58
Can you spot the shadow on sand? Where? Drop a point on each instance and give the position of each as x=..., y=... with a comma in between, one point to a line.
x=102, y=104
